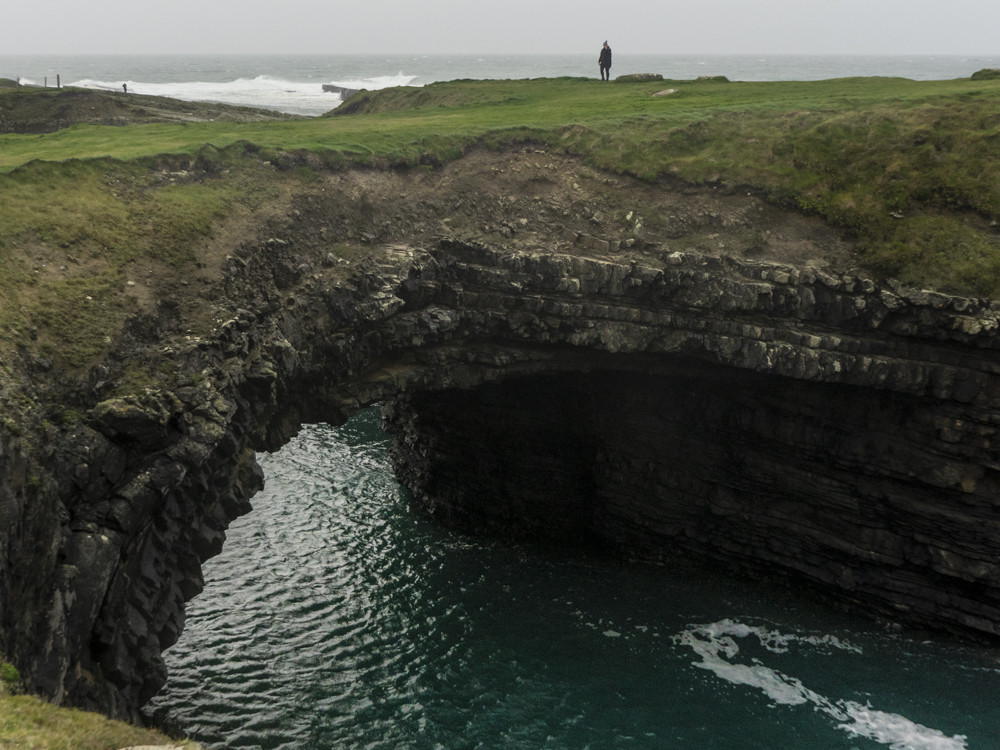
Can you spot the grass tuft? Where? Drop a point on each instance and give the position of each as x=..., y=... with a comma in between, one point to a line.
x=28, y=723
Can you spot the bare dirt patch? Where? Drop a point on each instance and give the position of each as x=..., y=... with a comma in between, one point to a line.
x=532, y=199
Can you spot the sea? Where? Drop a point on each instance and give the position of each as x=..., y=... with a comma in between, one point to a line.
x=336, y=617
x=294, y=83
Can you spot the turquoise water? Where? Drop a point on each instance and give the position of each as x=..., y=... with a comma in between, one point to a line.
x=335, y=618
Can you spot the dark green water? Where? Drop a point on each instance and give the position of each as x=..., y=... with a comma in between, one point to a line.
x=335, y=618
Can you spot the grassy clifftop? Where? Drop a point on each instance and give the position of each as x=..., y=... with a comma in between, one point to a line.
x=909, y=171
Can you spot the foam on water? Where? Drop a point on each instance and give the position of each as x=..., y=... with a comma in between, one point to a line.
x=716, y=645
x=335, y=617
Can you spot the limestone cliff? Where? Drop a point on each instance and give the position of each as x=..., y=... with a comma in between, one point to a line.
x=616, y=388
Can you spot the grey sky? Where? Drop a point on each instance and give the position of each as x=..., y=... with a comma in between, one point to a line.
x=501, y=26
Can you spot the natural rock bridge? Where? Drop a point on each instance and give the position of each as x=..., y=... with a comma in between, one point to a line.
x=673, y=404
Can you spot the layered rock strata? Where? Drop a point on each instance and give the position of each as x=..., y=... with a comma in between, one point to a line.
x=776, y=417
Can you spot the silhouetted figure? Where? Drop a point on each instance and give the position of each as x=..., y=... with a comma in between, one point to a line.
x=605, y=62
x=125, y=87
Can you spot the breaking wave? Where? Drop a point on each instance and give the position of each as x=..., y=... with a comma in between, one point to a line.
x=262, y=92
x=717, y=645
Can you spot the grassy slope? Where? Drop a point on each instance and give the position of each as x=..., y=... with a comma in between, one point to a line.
x=910, y=170
x=28, y=723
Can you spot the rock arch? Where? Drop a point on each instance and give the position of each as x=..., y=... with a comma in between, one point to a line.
x=774, y=416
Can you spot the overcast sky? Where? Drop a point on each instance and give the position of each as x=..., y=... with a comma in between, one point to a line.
x=501, y=26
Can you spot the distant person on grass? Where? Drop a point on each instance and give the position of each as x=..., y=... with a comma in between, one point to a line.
x=605, y=62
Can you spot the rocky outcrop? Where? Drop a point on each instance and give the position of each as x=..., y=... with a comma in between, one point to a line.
x=345, y=93
x=775, y=417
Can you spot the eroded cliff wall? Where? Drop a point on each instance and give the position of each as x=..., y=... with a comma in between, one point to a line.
x=777, y=416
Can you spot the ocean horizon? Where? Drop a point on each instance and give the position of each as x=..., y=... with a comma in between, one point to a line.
x=294, y=83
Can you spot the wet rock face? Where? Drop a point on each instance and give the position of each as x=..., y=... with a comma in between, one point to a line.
x=775, y=417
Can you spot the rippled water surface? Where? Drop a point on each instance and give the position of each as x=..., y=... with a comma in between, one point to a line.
x=335, y=618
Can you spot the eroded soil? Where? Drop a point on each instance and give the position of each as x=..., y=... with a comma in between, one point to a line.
x=523, y=200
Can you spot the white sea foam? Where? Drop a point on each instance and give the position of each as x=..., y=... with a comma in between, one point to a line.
x=716, y=645
x=266, y=92
x=896, y=731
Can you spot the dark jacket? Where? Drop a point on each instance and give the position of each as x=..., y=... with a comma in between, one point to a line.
x=605, y=59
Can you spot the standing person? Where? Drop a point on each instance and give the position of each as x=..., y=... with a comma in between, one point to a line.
x=125, y=88
x=605, y=62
